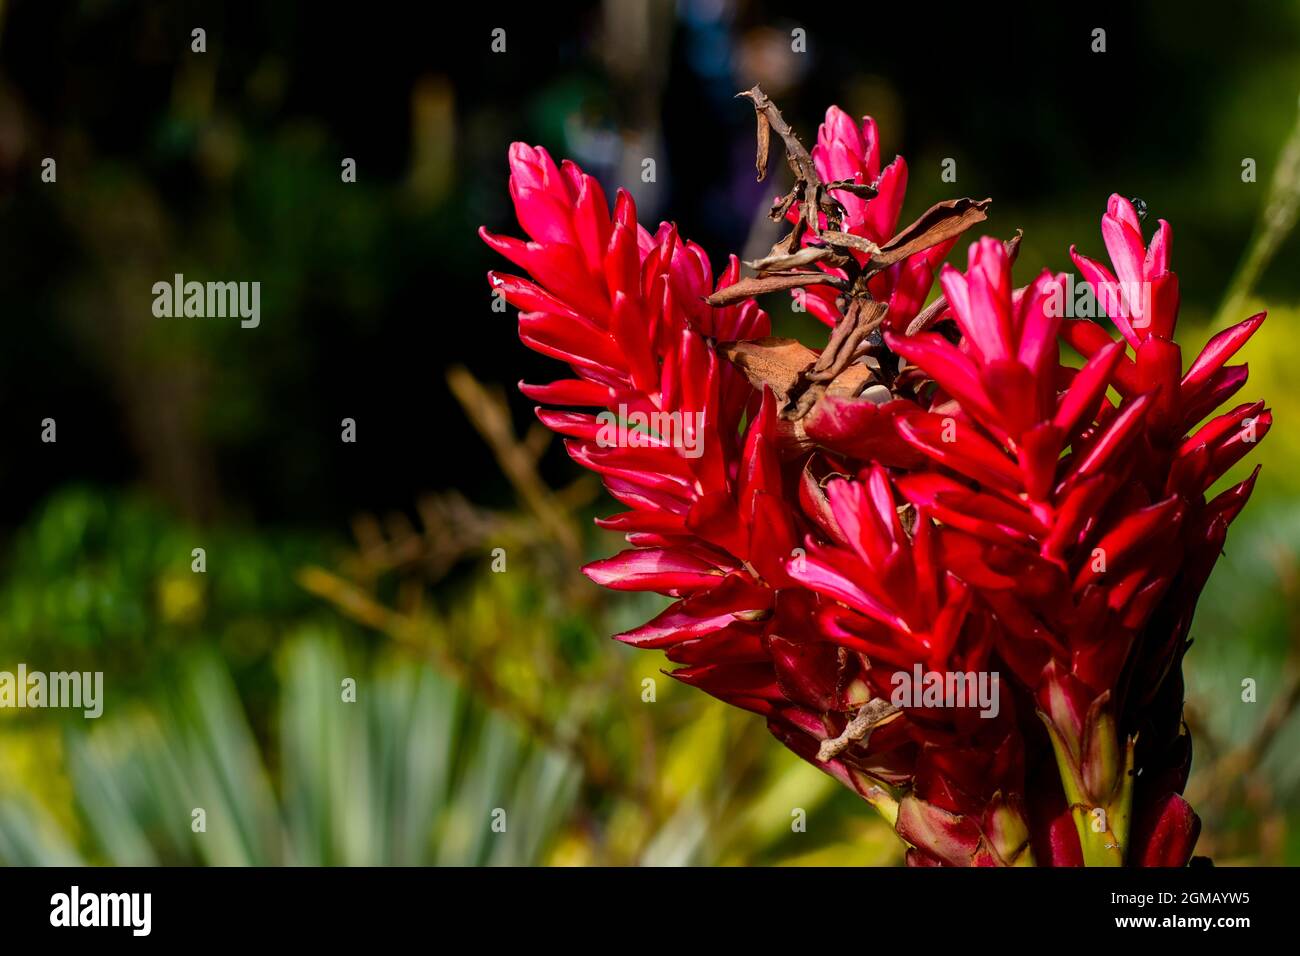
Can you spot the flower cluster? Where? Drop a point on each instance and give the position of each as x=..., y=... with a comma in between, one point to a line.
x=948, y=496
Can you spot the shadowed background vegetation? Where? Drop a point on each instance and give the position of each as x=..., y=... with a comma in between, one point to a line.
x=482, y=690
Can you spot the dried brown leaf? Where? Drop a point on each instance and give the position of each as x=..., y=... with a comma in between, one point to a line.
x=850, y=382
x=851, y=241
x=778, y=363
x=873, y=714
x=939, y=223
x=749, y=287
x=764, y=142
x=798, y=260
x=861, y=190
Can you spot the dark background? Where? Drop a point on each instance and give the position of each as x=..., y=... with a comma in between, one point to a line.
x=225, y=165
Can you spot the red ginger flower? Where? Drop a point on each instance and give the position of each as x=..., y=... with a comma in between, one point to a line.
x=1008, y=519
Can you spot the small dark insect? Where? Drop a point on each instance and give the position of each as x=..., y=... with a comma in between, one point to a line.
x=1140, y=208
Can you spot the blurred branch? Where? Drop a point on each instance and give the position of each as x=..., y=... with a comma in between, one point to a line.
x=450, y=529
x=1275, y=222
x=488, y=412
x=1238, y=770
x=1284, y=706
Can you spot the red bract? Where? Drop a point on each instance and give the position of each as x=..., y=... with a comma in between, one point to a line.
x=956, y=508
x=625, y=309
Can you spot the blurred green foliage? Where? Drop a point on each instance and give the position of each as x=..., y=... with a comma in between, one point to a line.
x=410, y=774
x=103, y=581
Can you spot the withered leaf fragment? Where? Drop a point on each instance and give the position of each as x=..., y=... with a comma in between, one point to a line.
x=874, y=712
x=845, y=347
x=795, y=260
x=857, y=243
x=749, y=287
x=764, y=141
x=808, y=191
x=861, y=190
x=776, y=362
x=941, y=222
